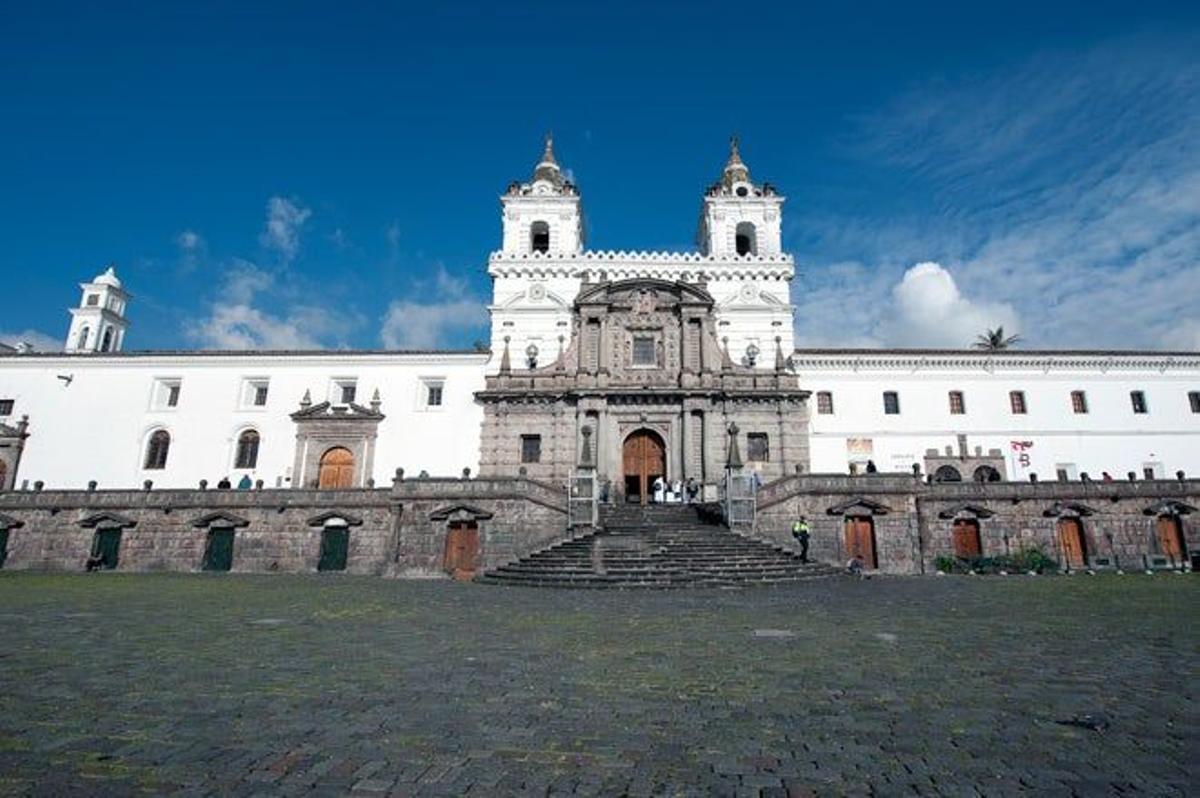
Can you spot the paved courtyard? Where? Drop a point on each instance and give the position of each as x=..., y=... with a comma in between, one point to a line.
x=282, y=685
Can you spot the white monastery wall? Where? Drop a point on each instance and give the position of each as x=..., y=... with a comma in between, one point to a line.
x=96, y=426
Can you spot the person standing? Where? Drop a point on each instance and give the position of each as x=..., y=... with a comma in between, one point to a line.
x=800, y=534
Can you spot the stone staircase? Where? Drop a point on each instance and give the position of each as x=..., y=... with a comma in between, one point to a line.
x=658, y=546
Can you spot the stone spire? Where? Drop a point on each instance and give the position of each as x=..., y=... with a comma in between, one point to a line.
x=547, y=168
x=735, y=170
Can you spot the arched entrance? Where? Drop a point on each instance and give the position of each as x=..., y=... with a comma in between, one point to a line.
x=337, y=469
x=1170, y=538
x=644, y=457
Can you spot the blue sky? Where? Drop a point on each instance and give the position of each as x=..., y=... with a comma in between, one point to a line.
x=303, y=174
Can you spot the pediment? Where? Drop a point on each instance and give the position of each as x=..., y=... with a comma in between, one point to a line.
x=334, y=518
x=460, y=512
x=107, y=520
x=635, y=290
x=1068, y=509
x=549, y=301
x=965, y=511
x=220, y=518
x=327, y=411
x=8, y=522
x=859, y=506
x=1169, y=507
x=7, y=431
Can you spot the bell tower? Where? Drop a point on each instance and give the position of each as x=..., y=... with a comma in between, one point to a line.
x=543, y=215
x=98, y=324
x=739, y=218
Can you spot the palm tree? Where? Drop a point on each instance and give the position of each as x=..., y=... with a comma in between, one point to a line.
x=995, y=340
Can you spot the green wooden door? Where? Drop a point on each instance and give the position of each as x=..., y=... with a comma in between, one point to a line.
x=218, y=552
x=3, y=546
x=335, y=543
x=106, y=547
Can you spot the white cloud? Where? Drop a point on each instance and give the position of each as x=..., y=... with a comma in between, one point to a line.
x=425, y=325
x=190, y=241
x=235, y=320
x=285, y=219
x=928, y=310
x=35, y=338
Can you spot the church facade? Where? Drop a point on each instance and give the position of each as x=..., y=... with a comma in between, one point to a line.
x=639, y=365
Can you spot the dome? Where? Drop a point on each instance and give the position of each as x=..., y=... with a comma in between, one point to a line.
x=109, y=277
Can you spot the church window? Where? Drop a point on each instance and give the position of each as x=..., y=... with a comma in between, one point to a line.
x=891, y=403
x=260, y=395
x=173, y=395
x=6, y=407
x=433, y=395
x=93, y=300
x=166, y=393
x=643, y=351
x=758, y=448
x=957, y=406
x=1138, y=399
x=825, y=403
x=81, y=342
x=745, y=239
x=1194, y=400
x=156, y=450
x=539, y=236
x=531, y=448
x=1016, y=401
x=106, y=343
x=247, y=450
x=1079, y=403
x=344, y=391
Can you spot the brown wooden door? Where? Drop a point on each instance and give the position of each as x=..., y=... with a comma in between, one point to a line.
x=1071, y=543
x=1170, y=538
x=644, y=458
x=967, y=543
x=337, y=469
x=860, y=540
x=461, y=558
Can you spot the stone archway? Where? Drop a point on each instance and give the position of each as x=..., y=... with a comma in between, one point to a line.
x=643, y=459
x=336, y=469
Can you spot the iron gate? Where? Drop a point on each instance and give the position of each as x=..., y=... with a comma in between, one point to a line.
x=582, y=505
x=739, y=500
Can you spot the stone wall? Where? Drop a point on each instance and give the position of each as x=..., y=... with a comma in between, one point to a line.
x=913, y=520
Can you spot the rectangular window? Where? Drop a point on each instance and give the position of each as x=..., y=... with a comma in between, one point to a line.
x=957, y=407
x=1138, y=400
x=758, y=449
x=825, y=403
x=165, y=394
x=348, y=393
x=891, y=403
x=1079, y=402
x=1066, y=472
x=643, y=351
x=343, y=390
x=1016, y=400
x=6, y=407
x=433, y=395
x=254, y=392
x=93, y=300
x=260, y=394
x=1194, y=400
x=173, y=395
x=531, y=448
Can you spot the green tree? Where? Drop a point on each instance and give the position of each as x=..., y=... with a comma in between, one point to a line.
x=995, y=340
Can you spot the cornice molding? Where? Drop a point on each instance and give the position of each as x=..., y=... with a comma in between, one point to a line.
x=857, y=360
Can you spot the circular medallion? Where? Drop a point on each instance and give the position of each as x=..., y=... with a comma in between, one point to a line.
x=537, y=292
x=749, y=292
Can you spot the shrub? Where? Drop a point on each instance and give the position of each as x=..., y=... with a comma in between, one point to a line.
x=1020, y=562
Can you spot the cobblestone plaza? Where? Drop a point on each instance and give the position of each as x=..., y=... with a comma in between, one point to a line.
x=287, y=685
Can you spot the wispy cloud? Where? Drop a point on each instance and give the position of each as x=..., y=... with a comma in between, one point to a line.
x=285, y=219
x=192, y=249
x=1065, y=192
x=452, y=308
x=40, y=341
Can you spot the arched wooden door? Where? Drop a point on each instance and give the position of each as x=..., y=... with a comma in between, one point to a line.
x=337, y=469
x=967, y=543
x=860, y=540
x=644, y=457
x=1072, y=543
x=1170, y=538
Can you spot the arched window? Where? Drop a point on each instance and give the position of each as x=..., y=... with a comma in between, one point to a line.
x=947, y=473
x=985, y=473
x=81, y=341
x=539, y=237
x=156, y=450
x=746, y=239
x=247, y=450
x=106, y=345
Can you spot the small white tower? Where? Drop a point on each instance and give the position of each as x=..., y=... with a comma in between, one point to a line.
x=98, y=324
x=739, y=218
x=543, y=215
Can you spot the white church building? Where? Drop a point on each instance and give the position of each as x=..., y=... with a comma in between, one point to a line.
x=102, y=411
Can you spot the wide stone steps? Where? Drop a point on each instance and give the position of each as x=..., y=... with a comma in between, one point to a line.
x=657, y=547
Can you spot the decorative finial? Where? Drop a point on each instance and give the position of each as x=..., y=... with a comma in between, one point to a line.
x=376, y=401
x=505, y=359
x=548, y=153
x=306, y=400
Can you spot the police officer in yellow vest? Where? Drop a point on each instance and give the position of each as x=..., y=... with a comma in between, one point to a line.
x=800, y=533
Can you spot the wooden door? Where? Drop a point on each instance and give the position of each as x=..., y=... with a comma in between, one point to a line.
x=1170, y=538
x=967, y=543
x=644, y=459
x=218, y=550
x=106, y=547
x=860, y=540
x=337, y=469
x=335, y=547
x=461, y=558
x=1071, y=543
